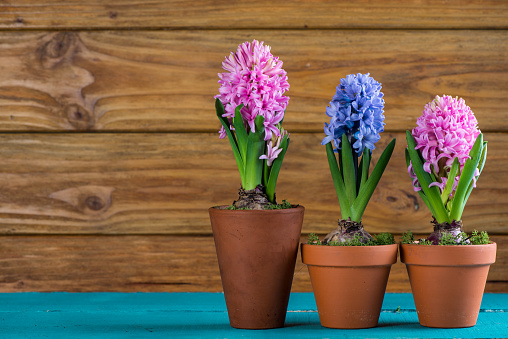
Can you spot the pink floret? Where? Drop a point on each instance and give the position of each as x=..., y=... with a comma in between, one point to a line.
x=256, y=79
x=446, y=130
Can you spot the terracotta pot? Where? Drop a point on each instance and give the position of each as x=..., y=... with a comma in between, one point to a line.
x=448, y=281
x=349, y=282
x=257, y=255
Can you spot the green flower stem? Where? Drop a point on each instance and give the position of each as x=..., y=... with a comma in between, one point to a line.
x=424, y=179
x=348, y=169
x=466, y=178
x=449, y=183
x=255, y=148
x=364, y=166
x=345, y=207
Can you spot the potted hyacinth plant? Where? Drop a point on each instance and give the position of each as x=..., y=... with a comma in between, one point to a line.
x=256, y=239
x=445, y=156
x=349, y=256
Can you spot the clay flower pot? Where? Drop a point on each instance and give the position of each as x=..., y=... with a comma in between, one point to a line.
x=349, y=282
x=448, y=281
x=257, y=255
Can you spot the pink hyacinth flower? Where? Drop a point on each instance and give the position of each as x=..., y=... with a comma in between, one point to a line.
x=256, y=79
x=446, y=130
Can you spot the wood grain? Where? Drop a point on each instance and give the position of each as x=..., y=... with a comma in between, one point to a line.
x=149, y=264
x=165, y=80
x=164, y=184
x=94, y=14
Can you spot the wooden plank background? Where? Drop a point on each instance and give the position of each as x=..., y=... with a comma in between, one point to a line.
x=109, y=149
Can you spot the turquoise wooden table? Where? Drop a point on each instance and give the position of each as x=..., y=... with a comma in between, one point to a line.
x=203, y=315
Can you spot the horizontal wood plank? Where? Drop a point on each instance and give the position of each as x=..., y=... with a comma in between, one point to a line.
x=92, y=14
x=150, y=264
x=166, y=80
x=164, y=184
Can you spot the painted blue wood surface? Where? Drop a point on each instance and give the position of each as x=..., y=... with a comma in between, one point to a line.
x=204, y=315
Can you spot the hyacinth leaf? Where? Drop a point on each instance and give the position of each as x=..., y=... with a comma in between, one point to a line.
x=341, y=171
x=274, y=171
x=348, y=169
x=408, y=159
x=345, y=207
x=241, y=132
x=360, y=203
x=466, y=177
x=255, y=149
x=364, y=166
x=426, y=202
x=219, y=108
x=480, y=169
x=424, y=179
x=451, y=179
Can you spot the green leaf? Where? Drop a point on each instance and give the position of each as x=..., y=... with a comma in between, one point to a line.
x=408, y=159
x=274, y=172
x=241, y=133
x=466, y=178
x=345, y=207
x=451, y=179
x=348, y=168
x=424, y=179
x=219, y=108
x=360, y=203
x=255, y=149
x=480, y=169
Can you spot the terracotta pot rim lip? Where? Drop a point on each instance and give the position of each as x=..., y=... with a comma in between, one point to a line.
x=448, y=255
x=448, y=246
x=215, y=209
x=349, y=256
x=344, y=247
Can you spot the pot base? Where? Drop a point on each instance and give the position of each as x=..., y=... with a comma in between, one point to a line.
x=349, y=282
x=448, y=282
x=257, y=250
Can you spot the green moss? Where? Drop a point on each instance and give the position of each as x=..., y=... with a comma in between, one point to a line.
x=356, y=241
x=380, y=239
x=384, y=239
x=449, y=239
x=479, y=239
x=284, y=205
x=313, y=239
x=407, y=238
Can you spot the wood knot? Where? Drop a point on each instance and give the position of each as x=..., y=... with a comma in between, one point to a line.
x=94, y=203
x=90, y=200
x=79, y=117
x=113, y=15
x=55, y=50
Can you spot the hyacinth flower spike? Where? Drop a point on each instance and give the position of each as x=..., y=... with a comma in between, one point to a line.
x=356, y=120
x=251, y=107
x=445, y=155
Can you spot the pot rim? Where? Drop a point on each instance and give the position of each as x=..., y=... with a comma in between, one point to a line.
x=448, y=255
x=221, y=210
x=348, y=256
